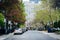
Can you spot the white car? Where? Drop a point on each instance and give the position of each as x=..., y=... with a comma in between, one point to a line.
x=18, y=31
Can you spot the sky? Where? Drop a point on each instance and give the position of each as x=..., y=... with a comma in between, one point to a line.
x=36, y=1
x=25, y=0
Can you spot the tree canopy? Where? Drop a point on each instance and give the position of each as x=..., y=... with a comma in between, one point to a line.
x=46, y=12
x=15, y=10
x=1, y=19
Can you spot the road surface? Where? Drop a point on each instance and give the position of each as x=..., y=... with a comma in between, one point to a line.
x=31, y=35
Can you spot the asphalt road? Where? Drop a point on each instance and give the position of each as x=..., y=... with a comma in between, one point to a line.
x=31, y=35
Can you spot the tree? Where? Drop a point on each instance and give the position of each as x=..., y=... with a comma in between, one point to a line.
x=1, y=20
x=46, y=13
x=15, y=10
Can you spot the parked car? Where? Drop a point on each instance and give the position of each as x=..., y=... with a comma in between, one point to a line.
x=55, y=29
x=18, y=31
x=24, y=30
x=40, y=28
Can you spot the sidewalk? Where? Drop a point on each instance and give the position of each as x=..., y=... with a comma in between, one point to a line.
x=5, y=36
x=57, y=36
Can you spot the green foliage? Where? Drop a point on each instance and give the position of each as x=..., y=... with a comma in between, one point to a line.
x=22, y=26
x=46, y=13
x=1, y=20
x=42, y=15
x=16, y=12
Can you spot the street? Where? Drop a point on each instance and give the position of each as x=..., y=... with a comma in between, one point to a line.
x=30, y=19
x=31, y=35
